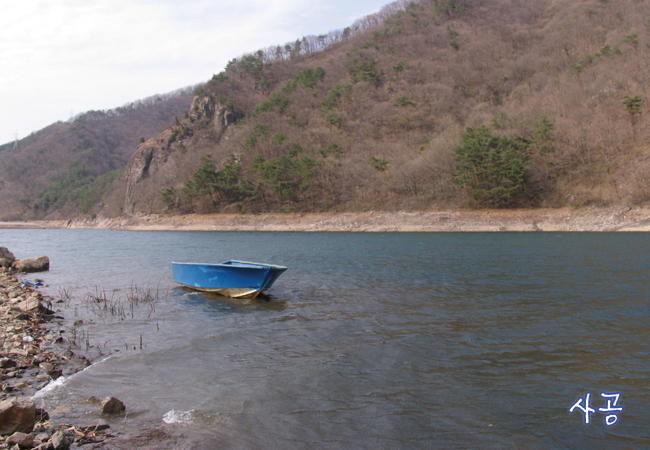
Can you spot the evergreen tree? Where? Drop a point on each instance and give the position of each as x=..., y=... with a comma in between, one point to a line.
x=491, y=167
x=633, y=106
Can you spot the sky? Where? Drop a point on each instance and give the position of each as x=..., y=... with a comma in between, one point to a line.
x=59, y=58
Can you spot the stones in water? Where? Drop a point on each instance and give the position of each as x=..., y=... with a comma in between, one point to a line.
x=111, y=405
x=7, y=259
x=40, y=264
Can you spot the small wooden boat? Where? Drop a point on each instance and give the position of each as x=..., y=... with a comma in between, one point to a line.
x=239, y=279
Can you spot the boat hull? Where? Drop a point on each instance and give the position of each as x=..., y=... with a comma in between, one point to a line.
x=239, y=279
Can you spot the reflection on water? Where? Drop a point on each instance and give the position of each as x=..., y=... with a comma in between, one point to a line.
x=368, y=340
x=211, y=302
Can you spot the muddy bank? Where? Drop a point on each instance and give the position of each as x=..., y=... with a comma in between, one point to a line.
x=520, y=220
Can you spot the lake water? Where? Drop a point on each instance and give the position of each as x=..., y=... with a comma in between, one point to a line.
x=368, y=341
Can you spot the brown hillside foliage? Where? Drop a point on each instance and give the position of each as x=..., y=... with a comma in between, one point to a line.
x=57, y=171
x=379, y=130
x=370, y=117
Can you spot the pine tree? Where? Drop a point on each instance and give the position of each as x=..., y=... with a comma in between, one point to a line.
x=491, y=167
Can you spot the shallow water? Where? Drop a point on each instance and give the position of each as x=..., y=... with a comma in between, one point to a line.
x=382, y=341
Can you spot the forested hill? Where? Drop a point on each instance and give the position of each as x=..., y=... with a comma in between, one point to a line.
x=69, y=167
x=430, y=104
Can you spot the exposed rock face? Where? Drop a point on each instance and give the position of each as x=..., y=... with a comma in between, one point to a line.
x=6, y=257
x=17, y=414
x=204, y=109
x=152, y=156
x=111, y=405
x=224, y=118
x=146, y=160
x=40, y=264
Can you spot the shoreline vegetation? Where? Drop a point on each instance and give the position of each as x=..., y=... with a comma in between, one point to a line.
x=485, y=220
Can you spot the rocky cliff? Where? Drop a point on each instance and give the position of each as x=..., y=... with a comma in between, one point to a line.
x=160, y=160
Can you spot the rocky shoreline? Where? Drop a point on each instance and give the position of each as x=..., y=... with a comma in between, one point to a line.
x=35, y=352
x=32, y=352
x=618, y=218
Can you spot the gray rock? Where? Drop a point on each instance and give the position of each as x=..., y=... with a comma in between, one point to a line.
x=42, y=437
x=111, y=405
x=22, y=439
x=60, y=441
x=6, y=257
x=31, y=305
x=40, y=264
x=202, y=108
x=17, y=414
x=46, y=367
x=6, y=363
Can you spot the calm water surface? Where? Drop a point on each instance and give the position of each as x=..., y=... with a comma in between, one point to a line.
x=368, y=341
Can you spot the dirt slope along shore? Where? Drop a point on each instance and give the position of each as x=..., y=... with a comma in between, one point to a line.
x=565, y=219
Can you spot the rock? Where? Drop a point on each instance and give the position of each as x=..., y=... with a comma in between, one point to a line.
x=223, y=118
x=31, y=305
x=22, y=439
x=40, y=264
x=17, y=414
x=155, y=157
x=6, y=363
x=60, y=441
x=111, y=405
x=6, y=257
x=62, y=409
x=202, y=108
x=42, y=437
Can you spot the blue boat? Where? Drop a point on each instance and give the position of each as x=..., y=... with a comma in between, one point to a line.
x=239, y=279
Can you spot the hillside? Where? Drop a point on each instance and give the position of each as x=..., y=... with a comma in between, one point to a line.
x=425, y=105
x=69, y=167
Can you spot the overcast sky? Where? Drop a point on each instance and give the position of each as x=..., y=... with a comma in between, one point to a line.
x=63, y=57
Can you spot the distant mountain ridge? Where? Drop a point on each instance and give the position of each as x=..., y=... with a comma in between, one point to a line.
x=425, y=105
x=69, y=167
